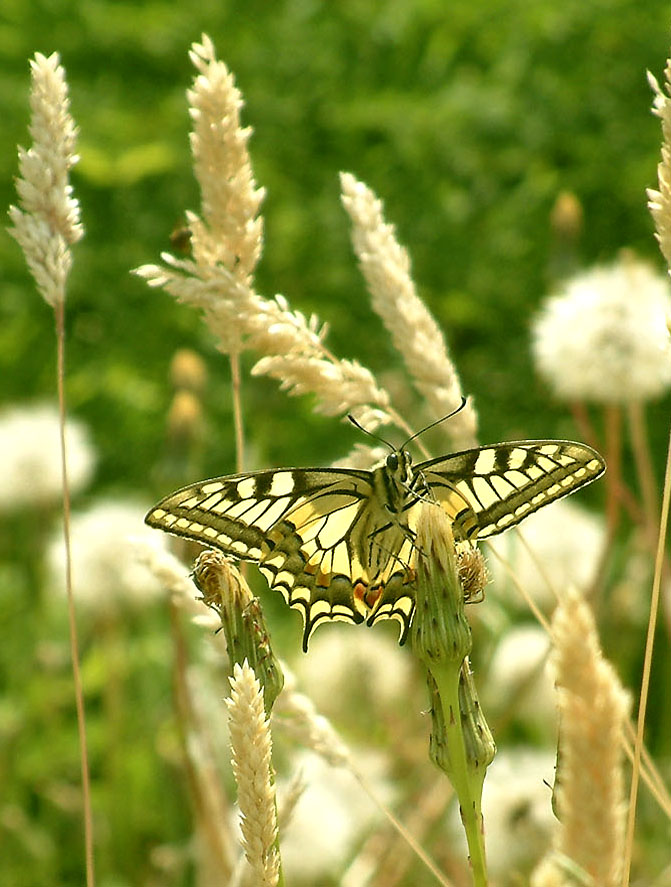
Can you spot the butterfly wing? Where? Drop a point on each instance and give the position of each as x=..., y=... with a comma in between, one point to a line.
x=307, y=529
x=489, y=489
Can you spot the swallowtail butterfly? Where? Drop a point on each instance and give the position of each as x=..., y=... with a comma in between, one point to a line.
x=338, y=542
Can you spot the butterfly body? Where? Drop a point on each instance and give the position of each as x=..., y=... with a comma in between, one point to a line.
x=338, y=543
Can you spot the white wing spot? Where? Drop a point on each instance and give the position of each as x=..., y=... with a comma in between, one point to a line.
x=485, y=462
x=245, y=487
x=214, y=487
x=239, y=546
x=283, y=483
x=505, y=520
x=517, y=457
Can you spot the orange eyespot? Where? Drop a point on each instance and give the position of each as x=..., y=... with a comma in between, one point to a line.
x=373, y=596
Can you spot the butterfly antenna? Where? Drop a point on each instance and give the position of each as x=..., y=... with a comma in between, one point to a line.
x=370, y=433
x=437, y=422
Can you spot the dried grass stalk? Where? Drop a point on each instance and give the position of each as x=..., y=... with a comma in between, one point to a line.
x=416, y=335
x=251, y=749
x=590, y=795
x=230, y=233
x=227, y=241
x=47, y=222
x=659, y=202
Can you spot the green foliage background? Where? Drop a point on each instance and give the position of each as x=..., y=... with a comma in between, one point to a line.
x=467, y=118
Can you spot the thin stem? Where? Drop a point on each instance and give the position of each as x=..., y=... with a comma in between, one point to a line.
x=397, y=856
x=211, y=807
x=647, y=665
x=59, y=312
x=649, y=773
x=584, y=424
x=530, y=602
x=614, y=462
x=237, y=412
x=643, y=461
x=410, y=840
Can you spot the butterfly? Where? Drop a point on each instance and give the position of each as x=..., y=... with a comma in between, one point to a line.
x=338, y=543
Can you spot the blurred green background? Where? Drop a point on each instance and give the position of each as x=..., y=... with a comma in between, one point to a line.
x=468, y=119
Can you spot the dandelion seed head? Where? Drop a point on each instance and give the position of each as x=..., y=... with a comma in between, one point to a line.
x=30, y=456
x=330, y=816
x=566, y=542
x=604, y=338
x=107, y=570
x=520, y=676
x=343, y=664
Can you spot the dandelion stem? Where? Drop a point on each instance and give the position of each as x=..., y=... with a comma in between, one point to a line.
x=59, y=313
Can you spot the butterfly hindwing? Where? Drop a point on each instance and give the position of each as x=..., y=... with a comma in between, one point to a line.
x=488, y=489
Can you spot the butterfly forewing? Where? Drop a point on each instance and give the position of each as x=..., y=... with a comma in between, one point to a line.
x=489, y=489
